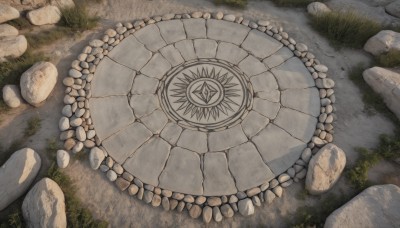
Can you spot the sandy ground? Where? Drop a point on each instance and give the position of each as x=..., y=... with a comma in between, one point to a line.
x=354, y=127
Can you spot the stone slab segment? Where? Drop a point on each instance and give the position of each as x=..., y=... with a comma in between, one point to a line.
x=278, y=148
x=303, y=100
x=299, y=125
x=293, y=75
x=205, y=48
x=222, y=140
x=266, y=108
x=278, y=57
x=247, y=167
x=112, y=79
x=252, y=66
x=172, y=55
x=171, y=133
x=195, y=28
x=217, y=178
x=182, y=172
x=264, y=82
x=376, y=206
x=124, y=143
x=186, y=49
x=230, y=52
x=149, y=160
x=151, y=38
x=226, y=31
x=271, y=95
x=254, y=123
x=260, y=44
x=143, y=84
x=156, y=67
x=144, y=104
x=172, y=31
x=128, y=50
x=110, y=114
x=193, y=140
x=155, y=121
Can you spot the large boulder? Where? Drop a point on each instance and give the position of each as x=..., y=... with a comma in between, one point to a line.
x=324, y=169
x=8, y=13
x=393, y=8
x=387, y=84
x=34, y=3
x=316, y=8
x=8, y=30
x=44, y=16
x=38, y=82
x=17, y=174
x=61, y=4
x=12, y=46
x=383, y=42
x=11, y=96
x=376, y=206
x=44, y=205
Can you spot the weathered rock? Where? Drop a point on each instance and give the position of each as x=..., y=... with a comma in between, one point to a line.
x=44, y=205
x=12, y=46
x=207, y=214
x=11, y=96
x=38, y=82
x=8, y=30
x=393, y=8
x=62, y=3
x=324, y=169
x=227, y=210
x=62, y=158
x=246, y=207
x=377, y=206
x=217, y=216
x=316, y=8
x=17, y=174
x=8, y=13
x=45, y=15
x=386, y=83
x=96, y=157
x=195, y=211
x=269, y=196
x=34, y=3
x=383, y=42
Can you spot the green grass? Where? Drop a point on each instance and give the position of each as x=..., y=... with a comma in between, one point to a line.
x=345, y=28
x=233, y=3
x=390, y=59
x=47, y=37
x=293, y=3
x=34, y=124
x=78, y=18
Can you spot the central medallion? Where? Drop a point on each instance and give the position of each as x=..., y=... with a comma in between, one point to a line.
x=205, y=94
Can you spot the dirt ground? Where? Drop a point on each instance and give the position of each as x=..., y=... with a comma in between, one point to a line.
x=354, y=127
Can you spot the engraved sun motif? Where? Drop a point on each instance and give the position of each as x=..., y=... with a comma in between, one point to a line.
x=206, y=93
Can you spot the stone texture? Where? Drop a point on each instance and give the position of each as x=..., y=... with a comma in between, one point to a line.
x=144, y=104
x=143, y=84
x=62, y=158
x=11, y=96
x=110, y=115
x=278, y=148
x=8, y=30
x=12, y=46
x=316, y=8
x=156, y=67
x=171, y=133
x=193, y=140
x=222, y=140
x=44, y=16
x=124, y=143
x=149, y=160
x=293, y=74
x=96, y=156
x=207, y=214
x=8, y=13
x=246, y=207
x=155, y=121
x=195, y=211
x=278, y=57
x=376, y=206
x=217, y=178
x=38, y=82
x=195, y=28
x=324, y=169
x=386, y=83
x=17, y=174
x=226, y=31
x=172, y=31
x=151, y=38
x=186, y=49
x=111, y=79
x=182, y=172
x=303, y=100
x=266, y=108
x=260, y=44
x=44, y=205
x=252, y=66
x=383, y=42
x=230, y=52
x=254, y=123
x=172, y=55
x=205, y=48
x=141, y=55
x=393, y=9
x=238, y=159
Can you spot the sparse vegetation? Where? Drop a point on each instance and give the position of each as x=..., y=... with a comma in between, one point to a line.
x=47, y=37
x=78, y=18
x=20, y=23
x=390, y=59
x=233, y=3
x=345, y=28
x=292, y=3
x=33, y=126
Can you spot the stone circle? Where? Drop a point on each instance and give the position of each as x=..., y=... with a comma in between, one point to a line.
x=199, y=110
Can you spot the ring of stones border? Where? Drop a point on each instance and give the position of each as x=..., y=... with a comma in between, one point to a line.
x=238, y=117
x=78, y=92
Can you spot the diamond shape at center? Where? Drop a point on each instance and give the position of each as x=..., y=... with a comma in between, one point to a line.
x=205, y=92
